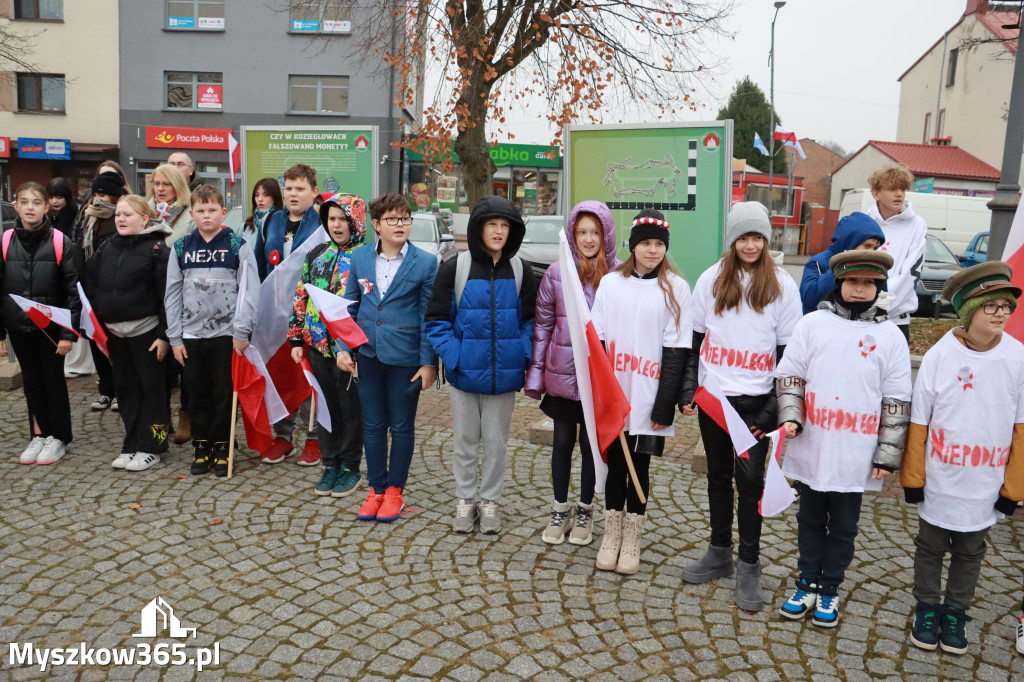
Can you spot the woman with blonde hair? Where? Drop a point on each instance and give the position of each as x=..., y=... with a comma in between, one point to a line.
x=168, y=194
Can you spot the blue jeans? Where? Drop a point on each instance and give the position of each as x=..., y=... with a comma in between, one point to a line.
x=388, y=398
x=826, y=529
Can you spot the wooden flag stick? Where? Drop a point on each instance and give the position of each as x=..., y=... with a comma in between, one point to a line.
x=632, y=471
x=231, y=437
x=312, y=412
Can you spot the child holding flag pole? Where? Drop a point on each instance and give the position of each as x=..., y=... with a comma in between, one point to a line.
x=38, y=264
x=642, y=314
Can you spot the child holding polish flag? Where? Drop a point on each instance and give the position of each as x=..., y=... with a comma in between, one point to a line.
x=844, y=398
x=326, y=269
x=125, y=282
x=39, y=264
x=642, y=314
x=744, y=311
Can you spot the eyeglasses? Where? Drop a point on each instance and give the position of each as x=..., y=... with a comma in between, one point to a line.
x=993, y=308
x=180, y=164
x=395, y=221
x=162, y=184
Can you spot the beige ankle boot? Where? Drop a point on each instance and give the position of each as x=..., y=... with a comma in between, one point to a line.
x=629, y=557
x=608, y=555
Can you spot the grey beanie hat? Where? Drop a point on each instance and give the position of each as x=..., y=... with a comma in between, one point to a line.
x=747, y=217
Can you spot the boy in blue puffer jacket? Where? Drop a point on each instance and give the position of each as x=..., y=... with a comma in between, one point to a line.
x=480, y=323
x=855, y=231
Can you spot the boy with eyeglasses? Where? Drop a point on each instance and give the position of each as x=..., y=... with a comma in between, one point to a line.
x=963, y=464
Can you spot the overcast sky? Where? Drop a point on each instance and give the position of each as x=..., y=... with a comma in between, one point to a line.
x=836, y=64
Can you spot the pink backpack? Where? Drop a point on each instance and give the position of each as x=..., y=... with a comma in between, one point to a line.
x=58, y=244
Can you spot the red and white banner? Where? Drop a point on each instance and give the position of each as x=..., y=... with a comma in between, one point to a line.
x=1013, y=255
x=43, y=315
x=234, y=158
x=253, y=387
x=334, y=311
x=90, y=324
x=778, y=494
x=604, y=404
x=710, y=398
x=323, y=415
x=788, y=138
x=210, y=97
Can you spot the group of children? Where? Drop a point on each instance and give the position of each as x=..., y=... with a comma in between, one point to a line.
x=497, y=332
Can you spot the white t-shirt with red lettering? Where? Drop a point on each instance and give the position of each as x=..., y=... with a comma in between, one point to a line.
x=739, y=346
x=849, y=366
x=970, y=402
x=631, y=317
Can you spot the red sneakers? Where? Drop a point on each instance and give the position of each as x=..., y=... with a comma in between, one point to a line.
x=392, y=506
x=277, y=452
x=368, y=512
x=310, y=454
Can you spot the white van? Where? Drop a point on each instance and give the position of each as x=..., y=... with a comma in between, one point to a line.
x=954, y=220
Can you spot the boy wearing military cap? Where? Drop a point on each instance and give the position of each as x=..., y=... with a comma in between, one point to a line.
x=849, y=426
x=964, y=465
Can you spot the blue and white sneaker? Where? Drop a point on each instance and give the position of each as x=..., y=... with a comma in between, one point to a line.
x=826, y=615
x=1020, y=636
x=802, y=602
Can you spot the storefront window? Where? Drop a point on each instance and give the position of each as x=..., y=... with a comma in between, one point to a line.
x=534, y=190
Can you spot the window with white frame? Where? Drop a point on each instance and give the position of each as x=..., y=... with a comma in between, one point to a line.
x=195, y=15
x=326, y=95
x=193, y=91
x=52, y=10
x=321, y=16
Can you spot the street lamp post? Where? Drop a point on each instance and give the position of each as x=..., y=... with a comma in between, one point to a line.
x=1004, y=203
x=771, y=114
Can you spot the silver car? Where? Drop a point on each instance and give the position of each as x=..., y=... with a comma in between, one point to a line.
x=429, y=233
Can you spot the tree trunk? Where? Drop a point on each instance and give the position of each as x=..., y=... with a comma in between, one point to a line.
x=474, y=151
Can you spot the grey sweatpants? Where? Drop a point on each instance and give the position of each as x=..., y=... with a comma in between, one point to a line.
x=966, y=552
x=480, y=419
x=300, y=417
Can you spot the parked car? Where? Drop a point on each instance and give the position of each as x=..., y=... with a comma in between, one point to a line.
x=540, y=245
x=7, y=214
x=235, y=219
x=429, y=233
x=939, y=265
x=977, y=251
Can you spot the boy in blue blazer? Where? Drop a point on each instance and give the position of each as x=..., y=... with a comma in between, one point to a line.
x=391, y=282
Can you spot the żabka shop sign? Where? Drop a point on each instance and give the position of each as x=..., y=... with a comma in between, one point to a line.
x=187, y=138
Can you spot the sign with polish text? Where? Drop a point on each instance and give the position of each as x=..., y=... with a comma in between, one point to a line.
x=187, y=138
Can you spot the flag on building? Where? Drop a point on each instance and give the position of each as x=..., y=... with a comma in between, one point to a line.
x=334, y=312
x=711, y=399
x=323, y=415
x=234, y=158
x=788, y=138
x=759, y=144
x=43, y=315
x=90, y=323
x=604, y=404
x=778, y=494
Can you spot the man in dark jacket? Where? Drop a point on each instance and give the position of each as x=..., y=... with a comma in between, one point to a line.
x=480, y=322
x=855, y=231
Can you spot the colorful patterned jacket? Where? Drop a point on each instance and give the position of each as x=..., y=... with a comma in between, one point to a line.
x=326, y=267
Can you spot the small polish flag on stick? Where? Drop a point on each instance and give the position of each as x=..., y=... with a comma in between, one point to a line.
x=778, y=494
x=90, y=323
x=334, y=310
x=43, y=315
x=788, y=138
x=323, y=415
x=711, y=399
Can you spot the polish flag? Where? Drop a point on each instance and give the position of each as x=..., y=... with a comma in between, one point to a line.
x=1013, y=255
x=90, y=324
x=270, y=332
x=323, y=415
x=788, y=138
x=710, y=398
x=778, y=494
x=44, y=315
x=234, y=158
x=334, y=311
x=604, y=404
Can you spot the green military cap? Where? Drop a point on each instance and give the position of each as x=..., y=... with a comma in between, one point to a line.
x=984, y=278
x=861, y=263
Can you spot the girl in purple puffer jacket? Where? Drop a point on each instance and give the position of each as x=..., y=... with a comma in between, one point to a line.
x=591, y=235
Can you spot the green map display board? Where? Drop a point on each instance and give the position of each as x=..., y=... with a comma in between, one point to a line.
x=345, y=158
x=683, y=170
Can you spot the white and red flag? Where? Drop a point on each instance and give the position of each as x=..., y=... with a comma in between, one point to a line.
x=234, y=158
x=778, y=494
x=270, y=332
x=711, y=399
x=788, y=138
x=43, y=315
x=604, y=404
x=334, y=311
x=1013, y=255
x=90, y=323
x=323, y=415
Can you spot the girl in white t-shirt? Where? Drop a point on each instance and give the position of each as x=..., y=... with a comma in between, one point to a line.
x=744, y=311
x=642, y=314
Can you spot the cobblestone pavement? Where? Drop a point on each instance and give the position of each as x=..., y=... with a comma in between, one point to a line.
x=291, y=586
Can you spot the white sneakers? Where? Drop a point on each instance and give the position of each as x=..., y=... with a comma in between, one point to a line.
x=135, y=461
x=51, y=452
x=1020, y=636
x=30, y=454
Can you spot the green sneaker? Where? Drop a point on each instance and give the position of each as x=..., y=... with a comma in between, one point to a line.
x=346, y=483
x=326, y=484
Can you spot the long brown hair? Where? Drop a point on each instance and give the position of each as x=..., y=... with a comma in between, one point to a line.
x=764, y=283
x=591, y=269
x=665, y=268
